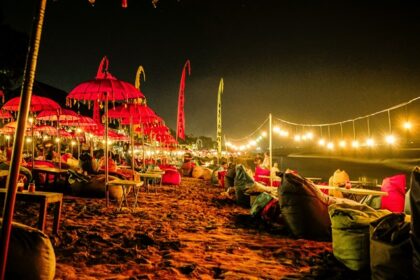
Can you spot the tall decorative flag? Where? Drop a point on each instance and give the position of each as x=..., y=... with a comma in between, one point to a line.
x=219, y=120
x=140, y=70
x=180, y=123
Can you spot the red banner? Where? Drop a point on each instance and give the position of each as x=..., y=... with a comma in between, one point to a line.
x=180, y=128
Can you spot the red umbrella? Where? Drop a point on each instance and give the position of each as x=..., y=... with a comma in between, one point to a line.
x=64, y=115
x=38, y=103
x=137, y=112
x=104, y=87
x=5, y=115
x=46, y=129
x=81, y=122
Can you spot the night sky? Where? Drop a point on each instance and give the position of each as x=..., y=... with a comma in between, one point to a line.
x=303, y=61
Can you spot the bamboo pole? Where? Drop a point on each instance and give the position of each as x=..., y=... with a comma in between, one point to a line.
x=25, y=97
x=270, y=134
x=106, y=150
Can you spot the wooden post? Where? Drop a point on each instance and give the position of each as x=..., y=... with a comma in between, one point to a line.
x=25, y=99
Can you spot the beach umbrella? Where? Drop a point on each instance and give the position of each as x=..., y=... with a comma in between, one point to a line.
x=104, y=88
x=81, y=124
x=130, y=114
x=5, y=115
x=62, y=115
x=82, y=121
x=46, y=129
x=52, y=115
x=38, y=103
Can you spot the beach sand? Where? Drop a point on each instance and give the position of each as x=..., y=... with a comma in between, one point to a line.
x=185, y=232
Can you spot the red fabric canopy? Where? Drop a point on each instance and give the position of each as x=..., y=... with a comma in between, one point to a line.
x=137, y=113
x=38, y=103
x=64, y=115
x=81, y=122
x=104, y=82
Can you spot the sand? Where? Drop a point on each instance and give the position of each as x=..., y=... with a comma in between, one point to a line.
x=185, y=232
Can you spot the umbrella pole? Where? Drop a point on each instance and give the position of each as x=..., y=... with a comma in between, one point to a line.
x=59, y=141
x=33, y=143
x=132, y=145
x=26, y=94
x=270, y=133
x=106, y=150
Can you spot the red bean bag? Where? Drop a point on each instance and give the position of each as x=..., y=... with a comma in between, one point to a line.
x=261, y=171
x=171, y=177
x=221, y=177
x=395, y=186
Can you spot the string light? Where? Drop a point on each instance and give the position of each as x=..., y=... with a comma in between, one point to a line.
x=328, y=141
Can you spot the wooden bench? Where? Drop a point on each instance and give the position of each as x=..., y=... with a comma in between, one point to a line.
x=44, y=199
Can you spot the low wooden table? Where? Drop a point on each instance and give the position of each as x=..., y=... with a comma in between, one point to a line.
x=126, y=184
x=354, y=190
x=44, y=199
x=153, y=176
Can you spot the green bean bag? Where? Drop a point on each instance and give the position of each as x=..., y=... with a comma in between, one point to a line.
x=350, y=232
x=31, y=254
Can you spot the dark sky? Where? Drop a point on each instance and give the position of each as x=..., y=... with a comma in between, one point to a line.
x=304, y=61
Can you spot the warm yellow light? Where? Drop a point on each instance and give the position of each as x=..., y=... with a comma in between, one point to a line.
x=252, y=143
x=73, y=143
x=264, y=134
x=284, y=133
x=342, y=144
x=78, y=130
x=370, y=142
x=31, y=120
x=57, y=140
x=228, y=144
x=321, y=142
x=7, y=137
x=330, y=146
x=407, y=125
x=309, y=135
x=28, y=140
x=297, y=138
x=276, y=129
x=355, y=144
x=241, y=148
x=45, y=137
x=390, y=139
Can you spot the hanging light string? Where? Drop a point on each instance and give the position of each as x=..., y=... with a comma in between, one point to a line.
x=350, y=120
x=251, y=134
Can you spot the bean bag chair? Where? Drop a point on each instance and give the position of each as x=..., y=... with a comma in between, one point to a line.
x=242, y=183
x=305, y=208
x=221, y=177
x=259, y=203
x=171, y=177
x=207, y=174
x=415, y=220
x=395, y=186
x=31, y=254
x=197, y=172
x=350, y=232
x=390, y=248
x=187, y=168
x=92, y=186
x=271, y=211
x=261, y=171
x=230, y=175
